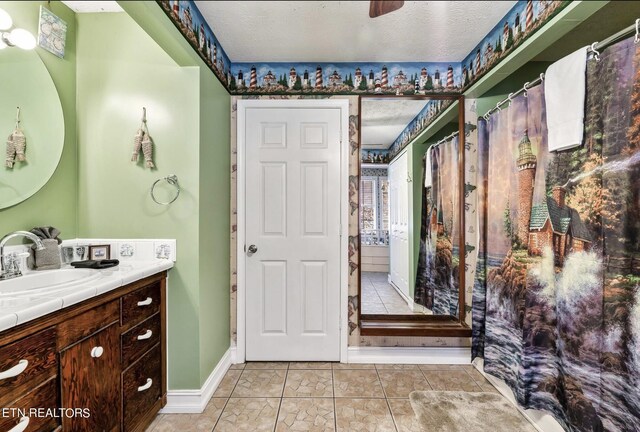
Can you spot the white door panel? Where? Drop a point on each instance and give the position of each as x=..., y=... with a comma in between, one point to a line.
x=293, y=217
x=399, y=224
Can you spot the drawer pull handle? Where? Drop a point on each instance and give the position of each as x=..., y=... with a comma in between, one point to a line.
x=146, y=386
x=97, y=352
x=15, y=371
x=21, y=426
x=146, y=302
x=146, y=335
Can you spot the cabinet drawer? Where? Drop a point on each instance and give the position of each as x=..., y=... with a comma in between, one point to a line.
x=142, y=387
x=25, y=363
x=80, y=326
x=42, y=398
x=140, y=304
x=139, y=339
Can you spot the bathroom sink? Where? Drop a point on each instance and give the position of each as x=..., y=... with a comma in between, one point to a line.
x=47, y=280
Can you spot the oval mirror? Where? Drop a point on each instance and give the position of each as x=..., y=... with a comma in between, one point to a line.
x=25, y=82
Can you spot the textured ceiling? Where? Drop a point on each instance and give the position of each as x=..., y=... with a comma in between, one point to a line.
x=384, y=119
x=341, y=31
x=93, y=6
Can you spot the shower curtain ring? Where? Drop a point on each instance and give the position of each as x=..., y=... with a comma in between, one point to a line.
x=510, y=98
x=525, y=87
x=596, y=53
x=542, y=77
x=637, y=37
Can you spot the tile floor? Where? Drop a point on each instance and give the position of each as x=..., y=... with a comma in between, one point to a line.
x=379, y=297
x=313, y=396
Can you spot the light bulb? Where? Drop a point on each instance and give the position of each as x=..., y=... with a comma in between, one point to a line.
x=22, y=39
x=5, y=20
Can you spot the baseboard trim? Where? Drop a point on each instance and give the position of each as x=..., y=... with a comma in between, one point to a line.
x=541, y=420
x=195, y=401
x=410, y=355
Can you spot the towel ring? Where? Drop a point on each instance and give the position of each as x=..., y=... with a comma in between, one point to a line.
x=172, y=180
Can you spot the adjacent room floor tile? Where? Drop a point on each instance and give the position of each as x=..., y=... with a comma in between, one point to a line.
x=398, y=384
x=341, y=366
x=309, y=365
x=260, y=383
x=397, y=367
x=267, y=365
x=228, y=383
x=452, y=380
x=357, y=383
x=238, y=366
x=308, y=383
x=192, y=422
x=248, y=415
x=405, y=417
x=309, y=414
x=430, y=367
x=370, y=415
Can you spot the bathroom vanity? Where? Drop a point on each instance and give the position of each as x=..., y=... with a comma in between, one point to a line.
x=96, y=365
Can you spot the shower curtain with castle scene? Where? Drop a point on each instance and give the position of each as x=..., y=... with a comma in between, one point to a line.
x=556, y=305
x=437, y=280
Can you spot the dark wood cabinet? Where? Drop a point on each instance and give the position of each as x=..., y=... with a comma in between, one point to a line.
x=90, y=379
x=104, y=358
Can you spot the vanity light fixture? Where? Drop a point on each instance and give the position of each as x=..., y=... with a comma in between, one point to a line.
x=17, y=37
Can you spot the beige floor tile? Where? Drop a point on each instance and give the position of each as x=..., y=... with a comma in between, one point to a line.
x=431, y=367
x=260, y=383
x=357, y=383
x=154, y=423
x=397, y=367
x=238, y=366
x=310, y=365
x=341, y=366
x=309, y=383
x=248, y=415
x=309, y=414
x=484, y=384
x=370, y=415
x=228, y=383
x=398, y=384
x=451, y=380
x=267, y=365
x=193, y=422
x=405, y=417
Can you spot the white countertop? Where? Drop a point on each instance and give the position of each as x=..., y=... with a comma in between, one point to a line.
x=20, y=307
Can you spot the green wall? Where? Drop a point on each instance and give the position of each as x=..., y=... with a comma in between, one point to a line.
x=56, y=203
x=188, y=117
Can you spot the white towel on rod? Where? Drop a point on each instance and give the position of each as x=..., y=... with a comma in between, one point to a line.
x=428, y=181
x=564, y=93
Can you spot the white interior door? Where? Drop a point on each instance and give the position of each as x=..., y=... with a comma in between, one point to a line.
x=399, y=223
x=292, y=201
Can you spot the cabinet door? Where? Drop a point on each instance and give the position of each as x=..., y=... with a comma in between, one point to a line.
x=90, y=375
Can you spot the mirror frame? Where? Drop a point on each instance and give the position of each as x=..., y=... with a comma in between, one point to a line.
x=419, y=325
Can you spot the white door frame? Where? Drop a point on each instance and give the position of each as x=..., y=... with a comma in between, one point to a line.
x=243, y=104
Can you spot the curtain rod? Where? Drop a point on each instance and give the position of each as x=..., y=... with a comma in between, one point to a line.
x=448, y=137
x=594, y=48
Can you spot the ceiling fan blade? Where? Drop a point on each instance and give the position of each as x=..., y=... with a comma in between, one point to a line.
x=381, y=7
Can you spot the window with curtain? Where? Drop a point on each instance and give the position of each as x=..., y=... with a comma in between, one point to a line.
x=374, y=209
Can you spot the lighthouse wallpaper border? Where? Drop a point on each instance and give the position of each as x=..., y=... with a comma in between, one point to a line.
x=522, y=21
x=345, y=78
x=189, y=21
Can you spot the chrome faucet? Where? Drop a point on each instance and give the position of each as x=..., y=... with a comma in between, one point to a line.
x=9, y=267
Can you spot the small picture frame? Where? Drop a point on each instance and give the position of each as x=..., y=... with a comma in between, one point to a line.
x=99, y=252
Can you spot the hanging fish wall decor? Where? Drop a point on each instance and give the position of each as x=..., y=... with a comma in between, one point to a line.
x=143, y=141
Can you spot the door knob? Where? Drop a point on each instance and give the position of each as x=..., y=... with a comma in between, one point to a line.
x=252, y=249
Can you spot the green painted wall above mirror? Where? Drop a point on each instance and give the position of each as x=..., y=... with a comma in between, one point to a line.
x=25, y=82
